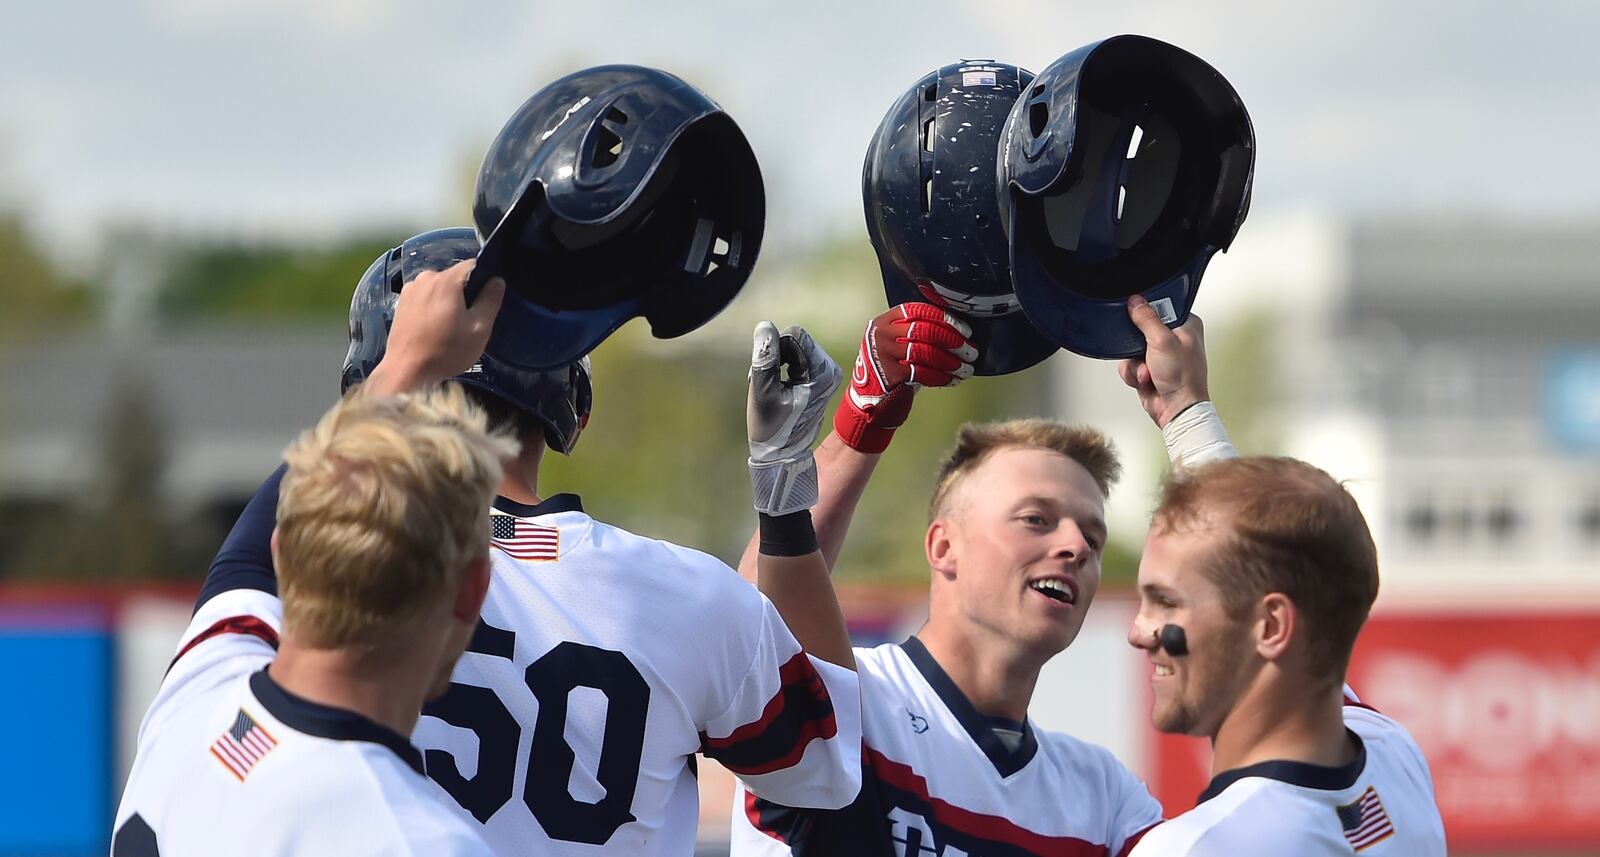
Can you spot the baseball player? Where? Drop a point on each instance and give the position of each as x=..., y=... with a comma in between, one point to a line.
x=280, y=726
x=952, y=763
x=1256, y=578
x=604, y=661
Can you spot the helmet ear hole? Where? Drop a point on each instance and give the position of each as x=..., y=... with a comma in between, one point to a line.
x=607, y=148
x=721, y=253
x=396, y=271
x=608, y=144
x=1038, y=117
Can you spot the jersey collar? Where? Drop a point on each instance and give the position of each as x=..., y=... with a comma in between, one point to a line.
x=1300, y=774
x=324, y=721
x=979, y=726
x=552, y=505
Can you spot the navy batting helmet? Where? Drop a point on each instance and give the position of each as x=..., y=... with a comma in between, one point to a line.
x=928, y=190
x=1125, y=166
x=558, y=398
x=614, y=192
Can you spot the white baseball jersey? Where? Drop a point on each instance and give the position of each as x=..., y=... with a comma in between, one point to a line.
x=1380, y=805
x=939, y=781
x=228, y=762
x=603, y=663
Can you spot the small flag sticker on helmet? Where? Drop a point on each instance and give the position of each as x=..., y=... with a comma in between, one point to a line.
x=978, y=78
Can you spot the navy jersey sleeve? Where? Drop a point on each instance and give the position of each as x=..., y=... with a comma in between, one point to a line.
x=245, y=560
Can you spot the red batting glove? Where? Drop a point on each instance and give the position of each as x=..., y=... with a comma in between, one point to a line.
x=909, y=346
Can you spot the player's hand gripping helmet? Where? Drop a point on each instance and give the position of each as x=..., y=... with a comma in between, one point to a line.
x=559, y=398
x=1124, y=167
x=932, y=214
x=614, y=192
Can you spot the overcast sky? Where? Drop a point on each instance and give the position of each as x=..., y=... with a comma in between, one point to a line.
x=310, y=117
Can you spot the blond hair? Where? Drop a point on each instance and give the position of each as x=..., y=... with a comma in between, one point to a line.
x=1289, y=528
x=384, y=502
x=977, y=441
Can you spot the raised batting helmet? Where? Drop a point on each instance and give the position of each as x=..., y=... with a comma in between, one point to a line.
x=1124, y=168
x=559, y=398
x=614, y=192
x=928, y=190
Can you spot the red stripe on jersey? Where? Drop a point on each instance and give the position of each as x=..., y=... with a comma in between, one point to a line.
x=978, y=825
x=798, y=713
x=231, y=625
x=753, y=811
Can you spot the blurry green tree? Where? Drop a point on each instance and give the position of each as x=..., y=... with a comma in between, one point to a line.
x=233, y=280
x=1244, y=383
x=33, y=293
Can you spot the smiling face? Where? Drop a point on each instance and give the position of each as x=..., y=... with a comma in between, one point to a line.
x=1016, y=550
x=1193, y=693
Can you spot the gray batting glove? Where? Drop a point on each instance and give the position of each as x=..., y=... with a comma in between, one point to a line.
x=791, y=382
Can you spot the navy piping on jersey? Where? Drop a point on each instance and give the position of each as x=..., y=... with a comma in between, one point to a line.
x=558, y=503
x=323, y=721
x=1300, y=774
x=978, y=725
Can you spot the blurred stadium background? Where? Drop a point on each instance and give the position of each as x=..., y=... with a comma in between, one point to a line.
x=190, y=188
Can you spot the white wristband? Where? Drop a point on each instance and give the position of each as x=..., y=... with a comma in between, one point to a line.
x=1196, y=437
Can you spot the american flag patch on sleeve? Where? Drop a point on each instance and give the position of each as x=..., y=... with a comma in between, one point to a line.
x=520, y=539
x=243, y=745
x=1364, y=821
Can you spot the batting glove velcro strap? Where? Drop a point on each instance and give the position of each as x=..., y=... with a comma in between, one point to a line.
x=909, y=346
x=781, y=487
x=791, y=381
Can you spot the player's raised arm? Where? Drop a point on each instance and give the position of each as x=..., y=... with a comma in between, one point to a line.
x=1171, y=380
x=791, y=382
x=906, y=347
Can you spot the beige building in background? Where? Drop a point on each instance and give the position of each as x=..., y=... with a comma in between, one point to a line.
x=1449, y=368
